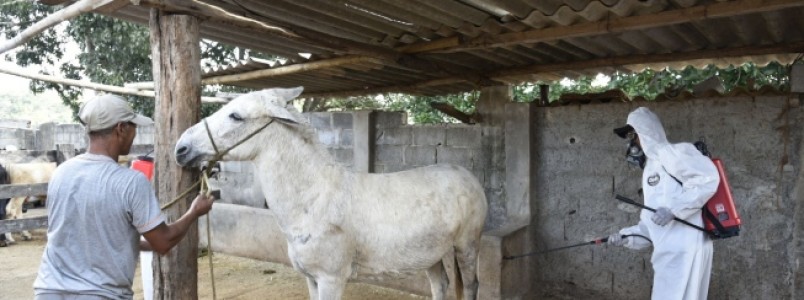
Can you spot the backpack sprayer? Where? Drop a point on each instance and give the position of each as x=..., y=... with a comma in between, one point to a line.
x=720, y=216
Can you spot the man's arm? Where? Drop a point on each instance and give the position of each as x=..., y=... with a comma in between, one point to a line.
x=163, y=237
x=697, y=174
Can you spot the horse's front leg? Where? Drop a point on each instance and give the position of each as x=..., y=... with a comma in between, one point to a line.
x=312, y=288
x=331, y=288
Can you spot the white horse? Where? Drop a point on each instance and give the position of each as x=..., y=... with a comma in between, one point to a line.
x=24, y=173
x=340, y=224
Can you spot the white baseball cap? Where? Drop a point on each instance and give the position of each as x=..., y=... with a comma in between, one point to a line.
x=106, y=111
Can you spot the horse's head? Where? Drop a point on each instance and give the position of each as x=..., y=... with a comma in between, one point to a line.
x=234, y=122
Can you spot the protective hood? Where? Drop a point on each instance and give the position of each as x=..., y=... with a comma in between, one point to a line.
x=650, y=130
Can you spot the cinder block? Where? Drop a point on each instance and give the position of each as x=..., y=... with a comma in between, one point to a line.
x=429, y=135
x=346, y=139
x=464, y=137
x=389, y=154
x=420, y=155
x=343, y=156
x=386, y=119
x=394, y=136
x=321, y=120
x=328, y=137
x=9, y=142
x=342, y=120
x=455, y=156
x=390, y=167
x=6, y=133
x=797, y=79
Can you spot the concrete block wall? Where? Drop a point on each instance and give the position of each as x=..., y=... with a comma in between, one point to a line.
x=19, y=138
x=410, y=146
x=580, y=167
x=48, y=135
x=336, y=131
x=71, y=134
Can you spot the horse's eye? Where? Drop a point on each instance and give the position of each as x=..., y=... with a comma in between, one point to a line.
x=236, y=117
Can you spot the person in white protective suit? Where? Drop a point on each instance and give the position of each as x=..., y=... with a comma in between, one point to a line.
x=677, y=180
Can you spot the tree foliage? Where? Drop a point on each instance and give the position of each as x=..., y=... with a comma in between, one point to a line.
x=651, y=83
x=111, y=51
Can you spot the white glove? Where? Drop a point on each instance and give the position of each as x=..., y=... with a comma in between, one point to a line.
x=617, y=240
x=662, y=216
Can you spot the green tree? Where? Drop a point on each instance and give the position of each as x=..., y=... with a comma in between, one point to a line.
x=113, y=52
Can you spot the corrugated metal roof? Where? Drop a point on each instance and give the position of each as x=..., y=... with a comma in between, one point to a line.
x=437, y=47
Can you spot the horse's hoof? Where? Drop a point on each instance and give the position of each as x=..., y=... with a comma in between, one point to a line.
x=3, y=244
x=27, y=238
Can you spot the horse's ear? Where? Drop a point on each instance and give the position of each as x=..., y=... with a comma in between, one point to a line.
x=278, y=111
x=288, y=94
x=286, y=121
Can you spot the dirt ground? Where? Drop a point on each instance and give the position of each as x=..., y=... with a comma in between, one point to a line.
x=235, y=277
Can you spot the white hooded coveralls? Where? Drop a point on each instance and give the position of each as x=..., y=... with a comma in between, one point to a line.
x=682, y=255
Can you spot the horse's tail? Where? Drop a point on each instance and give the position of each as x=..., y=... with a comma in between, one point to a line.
x=458, y=279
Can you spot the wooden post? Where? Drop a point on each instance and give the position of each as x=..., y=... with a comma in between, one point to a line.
x=177, y=75
x=544, y=95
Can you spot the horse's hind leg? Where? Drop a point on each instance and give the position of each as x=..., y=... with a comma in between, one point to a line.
x=466, y=256
x=438, y=280
x=18, y=204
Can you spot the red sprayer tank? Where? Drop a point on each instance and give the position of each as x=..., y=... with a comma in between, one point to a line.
x=721, y=207
x=144, y=164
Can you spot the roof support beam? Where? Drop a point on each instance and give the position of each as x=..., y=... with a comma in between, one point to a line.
x=205, y=11
x=96, y=86
x=670, y=17
x=294, y=68
x=582, y=65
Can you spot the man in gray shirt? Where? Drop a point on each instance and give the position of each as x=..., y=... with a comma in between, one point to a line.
x=97, y=211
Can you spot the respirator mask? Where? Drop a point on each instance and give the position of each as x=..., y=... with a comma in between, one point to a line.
x=634, y=154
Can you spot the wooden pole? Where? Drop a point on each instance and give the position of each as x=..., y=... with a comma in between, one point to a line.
x=177, y=73
x=544, y=94
x=96, y=86
x=215, y=13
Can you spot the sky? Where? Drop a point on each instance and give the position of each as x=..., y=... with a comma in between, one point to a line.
x=10, y=84
x=18, y=87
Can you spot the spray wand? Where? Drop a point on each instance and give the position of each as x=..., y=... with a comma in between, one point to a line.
x=592, y=242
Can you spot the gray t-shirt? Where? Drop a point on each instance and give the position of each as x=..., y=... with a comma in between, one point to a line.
x=96, y=213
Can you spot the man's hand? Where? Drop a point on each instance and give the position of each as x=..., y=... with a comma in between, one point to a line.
x=201, y=205
x=662, y=216
x=617, y=240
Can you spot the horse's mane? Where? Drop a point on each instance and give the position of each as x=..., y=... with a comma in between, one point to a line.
x=306, y=131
